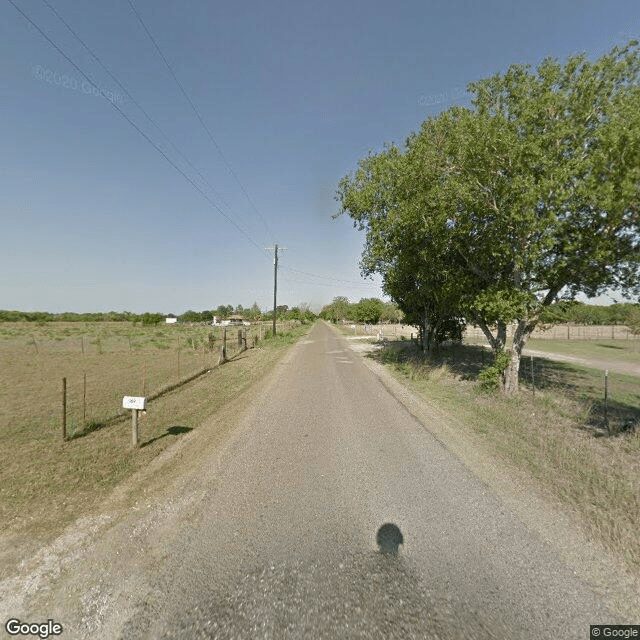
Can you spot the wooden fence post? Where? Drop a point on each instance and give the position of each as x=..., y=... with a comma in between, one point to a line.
x=606, y=393
x=64, y=408
x=223, y=348
x=144, y=378
x=84, y=398
x=533, y=384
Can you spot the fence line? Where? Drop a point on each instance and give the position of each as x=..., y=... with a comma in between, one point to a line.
x=234, y=346
x=564, y=332
x=99, y=372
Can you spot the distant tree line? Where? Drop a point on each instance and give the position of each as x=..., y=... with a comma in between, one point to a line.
x=575, y=312
x=368, y=311
x=252, y=314
x=373, y=311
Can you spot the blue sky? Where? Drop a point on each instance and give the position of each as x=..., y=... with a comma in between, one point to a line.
x=94, y=218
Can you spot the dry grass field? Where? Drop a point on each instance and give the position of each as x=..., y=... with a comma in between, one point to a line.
x=45, y=482
x=117, y=359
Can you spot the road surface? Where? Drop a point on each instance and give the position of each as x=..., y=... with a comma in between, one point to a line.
x=275, y=535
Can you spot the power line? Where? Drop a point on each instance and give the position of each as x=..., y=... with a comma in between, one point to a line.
x=202, y=122
x=128, y=94
x=133, y=124
x=157, y=148
x=314, y=275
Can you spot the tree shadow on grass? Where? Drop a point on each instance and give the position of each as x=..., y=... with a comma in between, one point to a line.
x=171, y=431
x=581, y=385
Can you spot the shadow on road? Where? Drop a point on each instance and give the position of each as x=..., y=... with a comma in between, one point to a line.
x=389, y=538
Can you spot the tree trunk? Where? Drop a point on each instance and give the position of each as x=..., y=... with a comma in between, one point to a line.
x=510, y=377
x=426, y=332
x=498, y=341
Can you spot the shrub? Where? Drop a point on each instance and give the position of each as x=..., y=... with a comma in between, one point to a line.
x=491, y=375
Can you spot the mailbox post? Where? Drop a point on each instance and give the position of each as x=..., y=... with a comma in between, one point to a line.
x=135, y=403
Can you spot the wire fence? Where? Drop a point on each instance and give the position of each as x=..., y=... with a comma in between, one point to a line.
x=475, y=335
x=562, y=332
x=100, y=368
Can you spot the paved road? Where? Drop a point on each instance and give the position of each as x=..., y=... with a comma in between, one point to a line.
x=284, y=545
x=279, y=540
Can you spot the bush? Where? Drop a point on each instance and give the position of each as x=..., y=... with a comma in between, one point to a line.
x=151, y=319
x=491, y=375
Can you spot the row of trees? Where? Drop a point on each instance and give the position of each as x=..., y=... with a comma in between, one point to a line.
x=302, y=312
x=368, y=310
x=491, y=214
x=580, y=313
x=68, y=316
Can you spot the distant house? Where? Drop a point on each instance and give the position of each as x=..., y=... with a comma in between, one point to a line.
x=170, y=320
x=230, y=321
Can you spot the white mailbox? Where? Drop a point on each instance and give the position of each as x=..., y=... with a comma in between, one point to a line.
x=134, y=402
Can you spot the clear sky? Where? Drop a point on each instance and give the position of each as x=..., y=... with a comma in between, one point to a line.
x=291, y=94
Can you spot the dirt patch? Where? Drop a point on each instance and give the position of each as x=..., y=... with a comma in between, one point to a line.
x=619, y=366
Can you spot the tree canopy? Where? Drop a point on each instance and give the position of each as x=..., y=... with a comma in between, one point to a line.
x=491, y=214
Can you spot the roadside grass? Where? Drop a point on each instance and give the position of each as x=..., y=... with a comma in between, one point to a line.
x=45, y=483
x=558, y=436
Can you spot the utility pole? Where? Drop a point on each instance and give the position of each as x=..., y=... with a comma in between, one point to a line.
x=275, y=281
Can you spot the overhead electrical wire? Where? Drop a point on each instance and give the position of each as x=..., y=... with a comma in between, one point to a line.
x=331, y=278
x=202, y=122
x=134, y=101
x=160, y=150
x=135, y=126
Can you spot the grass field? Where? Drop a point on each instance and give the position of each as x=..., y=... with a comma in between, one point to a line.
x=116, y=358
x=623, y=350
x=557, y=436
x=46, y=482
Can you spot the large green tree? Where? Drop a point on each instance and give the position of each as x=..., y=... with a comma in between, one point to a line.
x=531, y=196
x=368, y=310
x=337, y=311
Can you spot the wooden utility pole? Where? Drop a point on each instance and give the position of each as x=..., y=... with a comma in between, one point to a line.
x=275, y=282
x=275, y=287
x=64, y=408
